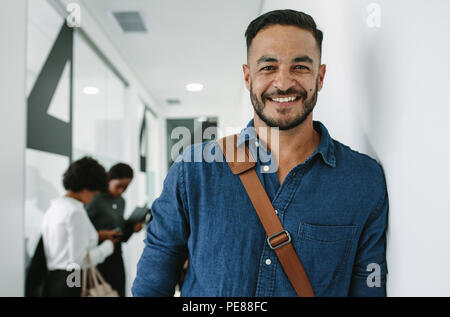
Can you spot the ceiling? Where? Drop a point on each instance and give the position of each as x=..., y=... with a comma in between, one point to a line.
x=186, y=41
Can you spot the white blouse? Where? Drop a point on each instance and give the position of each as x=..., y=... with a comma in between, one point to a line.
x=68, y=235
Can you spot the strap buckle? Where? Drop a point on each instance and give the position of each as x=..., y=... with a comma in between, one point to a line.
x=281, y=244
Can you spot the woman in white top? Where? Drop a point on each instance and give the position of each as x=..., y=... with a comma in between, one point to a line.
x=67, y=232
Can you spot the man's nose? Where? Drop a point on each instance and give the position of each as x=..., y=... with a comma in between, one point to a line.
x=283, y=80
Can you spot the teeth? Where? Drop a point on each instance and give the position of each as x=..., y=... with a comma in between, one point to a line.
x=287, y=99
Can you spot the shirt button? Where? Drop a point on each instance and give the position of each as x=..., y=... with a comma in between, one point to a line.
x=256, y=143
x=268, y=262
x=266, y=168
x=276, y=211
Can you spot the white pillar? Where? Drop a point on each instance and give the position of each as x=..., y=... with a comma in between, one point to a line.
x=13, y=26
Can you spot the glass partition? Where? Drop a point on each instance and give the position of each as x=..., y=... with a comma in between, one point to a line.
x=76, y=107
x=98, y=112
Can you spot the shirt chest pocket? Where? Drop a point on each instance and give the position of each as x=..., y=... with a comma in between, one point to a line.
x=324, y=251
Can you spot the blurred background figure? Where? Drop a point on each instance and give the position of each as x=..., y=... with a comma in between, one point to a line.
x=106, y=213
x=67, y=232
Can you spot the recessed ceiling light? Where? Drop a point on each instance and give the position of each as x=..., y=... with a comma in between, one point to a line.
x=194, y=87
x=91, y=90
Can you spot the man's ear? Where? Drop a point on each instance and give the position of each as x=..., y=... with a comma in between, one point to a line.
x=321, y=75
x=246, y=71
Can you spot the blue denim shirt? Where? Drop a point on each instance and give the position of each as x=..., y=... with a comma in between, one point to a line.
x=334, y=205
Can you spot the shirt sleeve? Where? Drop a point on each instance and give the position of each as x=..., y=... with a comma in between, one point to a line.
x=370, y=269
x=78, y=237
x=80, y=231
x=127, y=229
x=101, y=252
x=165, y=251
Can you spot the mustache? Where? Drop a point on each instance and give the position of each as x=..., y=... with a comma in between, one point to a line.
x=289, y=92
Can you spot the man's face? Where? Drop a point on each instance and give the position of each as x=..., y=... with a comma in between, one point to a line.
x=284, y=75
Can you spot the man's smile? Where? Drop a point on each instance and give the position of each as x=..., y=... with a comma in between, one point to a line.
x=284, y=101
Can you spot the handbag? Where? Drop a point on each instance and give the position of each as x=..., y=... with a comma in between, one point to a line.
x=94, y=285
x=242, y=164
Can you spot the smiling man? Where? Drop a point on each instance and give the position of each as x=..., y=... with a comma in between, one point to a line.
x=331, y=199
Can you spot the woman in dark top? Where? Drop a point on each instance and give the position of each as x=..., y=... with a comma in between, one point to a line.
x=106, y=213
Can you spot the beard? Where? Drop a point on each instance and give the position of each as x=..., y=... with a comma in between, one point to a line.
x=308, y=107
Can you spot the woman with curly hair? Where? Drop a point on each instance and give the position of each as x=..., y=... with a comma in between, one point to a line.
x=67, y=232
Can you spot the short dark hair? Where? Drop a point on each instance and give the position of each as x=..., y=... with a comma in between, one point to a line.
x=284, y=17
x=86, y=173
x=120, y=170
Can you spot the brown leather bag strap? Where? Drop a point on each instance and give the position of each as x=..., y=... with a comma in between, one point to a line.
x=242, y=164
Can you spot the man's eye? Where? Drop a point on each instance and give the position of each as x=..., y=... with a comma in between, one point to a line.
x=267, y=68
x=301, y=67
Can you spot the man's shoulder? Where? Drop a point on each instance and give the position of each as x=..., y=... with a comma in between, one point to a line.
x=205, y=152
x=199, y=162
x=351, y=156
x=357, y=165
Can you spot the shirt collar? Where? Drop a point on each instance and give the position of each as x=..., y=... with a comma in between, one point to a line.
x=325, y=148
x=76, y=203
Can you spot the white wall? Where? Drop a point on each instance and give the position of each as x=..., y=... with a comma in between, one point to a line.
x=12, y=142
x=386, y=94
